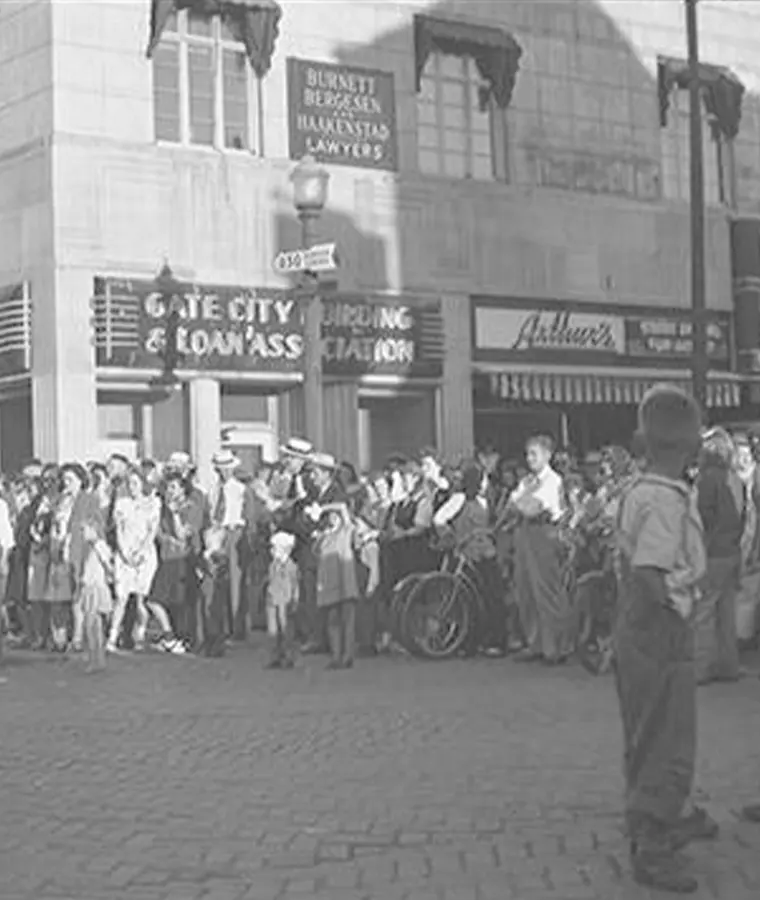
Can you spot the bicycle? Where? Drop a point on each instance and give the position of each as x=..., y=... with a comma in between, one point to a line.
x=439, y=614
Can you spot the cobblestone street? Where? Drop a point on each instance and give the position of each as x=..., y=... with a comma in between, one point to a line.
x=177, y=779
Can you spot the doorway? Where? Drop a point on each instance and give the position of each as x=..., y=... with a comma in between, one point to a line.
x=399, y=422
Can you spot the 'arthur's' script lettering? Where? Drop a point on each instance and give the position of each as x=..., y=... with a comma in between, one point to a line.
x=558, y=331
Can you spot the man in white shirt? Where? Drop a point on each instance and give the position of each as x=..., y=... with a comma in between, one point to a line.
x=542, y=490
x=545, y=609
x=226, y=508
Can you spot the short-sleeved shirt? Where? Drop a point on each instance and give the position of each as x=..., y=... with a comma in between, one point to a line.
x=659, y=527
x=544, y=490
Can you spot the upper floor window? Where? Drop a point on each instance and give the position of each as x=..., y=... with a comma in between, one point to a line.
x=204, y=89
x=461, y=132
x=465, y=74
x=717, y=156
x=721, y=108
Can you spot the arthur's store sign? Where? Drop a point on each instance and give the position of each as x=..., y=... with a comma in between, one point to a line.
x=553, y=332
x=220, y=327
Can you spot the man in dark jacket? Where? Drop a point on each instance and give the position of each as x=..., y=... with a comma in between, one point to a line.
x=722, y=508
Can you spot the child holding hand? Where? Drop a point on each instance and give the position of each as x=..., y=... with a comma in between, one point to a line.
x=95, y=594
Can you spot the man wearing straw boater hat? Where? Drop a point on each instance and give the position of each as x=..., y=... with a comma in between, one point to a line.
x=222, y=551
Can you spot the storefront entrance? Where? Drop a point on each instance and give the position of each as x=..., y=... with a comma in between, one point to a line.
x=507, y=430
x=399, y=422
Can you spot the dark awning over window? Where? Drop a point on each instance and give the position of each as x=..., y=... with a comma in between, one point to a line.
x=254, y=22
x=496, y=53
x=721, y=89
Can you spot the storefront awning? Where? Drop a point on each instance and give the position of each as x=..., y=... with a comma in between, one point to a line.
x=587, y=388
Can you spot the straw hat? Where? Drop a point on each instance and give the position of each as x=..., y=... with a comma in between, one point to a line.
x=323, y=461
x=297, y=447
x=225, y=459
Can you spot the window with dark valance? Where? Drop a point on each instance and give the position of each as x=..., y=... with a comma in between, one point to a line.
x=495, y=52
x=722, y=92
x=255, y=23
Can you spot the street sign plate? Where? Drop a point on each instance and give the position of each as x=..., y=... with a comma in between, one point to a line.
x=320, y=258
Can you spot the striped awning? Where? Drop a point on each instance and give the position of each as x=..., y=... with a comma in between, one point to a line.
x=593, y=389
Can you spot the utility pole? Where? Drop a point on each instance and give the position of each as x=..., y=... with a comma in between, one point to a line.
x=313, y=401
x=700, y=362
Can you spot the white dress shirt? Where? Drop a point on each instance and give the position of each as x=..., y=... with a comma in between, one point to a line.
x=7, y=540
x=452, y=507
x=234, y=494
x=544, y=489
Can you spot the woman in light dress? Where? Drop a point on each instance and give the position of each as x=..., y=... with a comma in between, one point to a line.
x=136, y=518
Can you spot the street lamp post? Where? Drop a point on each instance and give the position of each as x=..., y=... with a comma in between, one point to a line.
x=169, y=289
x=310, y=183
x=700, y=362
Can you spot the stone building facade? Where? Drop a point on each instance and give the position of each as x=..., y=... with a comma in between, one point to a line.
x=514, y=190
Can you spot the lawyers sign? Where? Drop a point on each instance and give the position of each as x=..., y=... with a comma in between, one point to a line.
x=342, y=115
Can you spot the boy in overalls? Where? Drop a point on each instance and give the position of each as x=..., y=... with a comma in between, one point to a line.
x=661, y=560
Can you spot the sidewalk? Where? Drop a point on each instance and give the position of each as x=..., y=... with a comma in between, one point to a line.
x=179, y=779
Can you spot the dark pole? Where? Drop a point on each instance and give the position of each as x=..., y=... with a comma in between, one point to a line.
x=314, y=417
x=700, y=363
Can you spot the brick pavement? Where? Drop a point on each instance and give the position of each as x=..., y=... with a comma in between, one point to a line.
x=181, y=779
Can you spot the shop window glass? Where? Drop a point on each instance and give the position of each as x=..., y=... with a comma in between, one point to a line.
x=116, y=421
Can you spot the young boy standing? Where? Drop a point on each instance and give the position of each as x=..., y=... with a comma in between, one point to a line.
x=661, y=561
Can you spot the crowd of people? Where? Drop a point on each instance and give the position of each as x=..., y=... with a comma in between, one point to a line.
x=123, y=556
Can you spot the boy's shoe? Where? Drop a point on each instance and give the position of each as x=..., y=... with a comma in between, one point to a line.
x=699, y=825
x=751, y=813
x=273, y=664
x=661, y=870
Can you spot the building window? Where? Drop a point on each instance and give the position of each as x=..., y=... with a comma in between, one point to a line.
x=203, y=86
x=717, y=151
x=457, y=135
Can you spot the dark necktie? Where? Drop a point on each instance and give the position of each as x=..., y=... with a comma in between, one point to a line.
x=221, y=506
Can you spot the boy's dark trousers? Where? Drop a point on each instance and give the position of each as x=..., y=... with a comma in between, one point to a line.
x=311, y=621
x=214, y=591
x=656, y=685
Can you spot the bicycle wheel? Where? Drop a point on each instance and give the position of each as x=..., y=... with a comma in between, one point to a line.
x=397, y=602
x=437, y=617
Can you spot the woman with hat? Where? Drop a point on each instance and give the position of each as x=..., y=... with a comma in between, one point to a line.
x=322, y=487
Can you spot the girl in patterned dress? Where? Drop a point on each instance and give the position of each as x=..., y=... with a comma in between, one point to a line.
x=95, y=593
